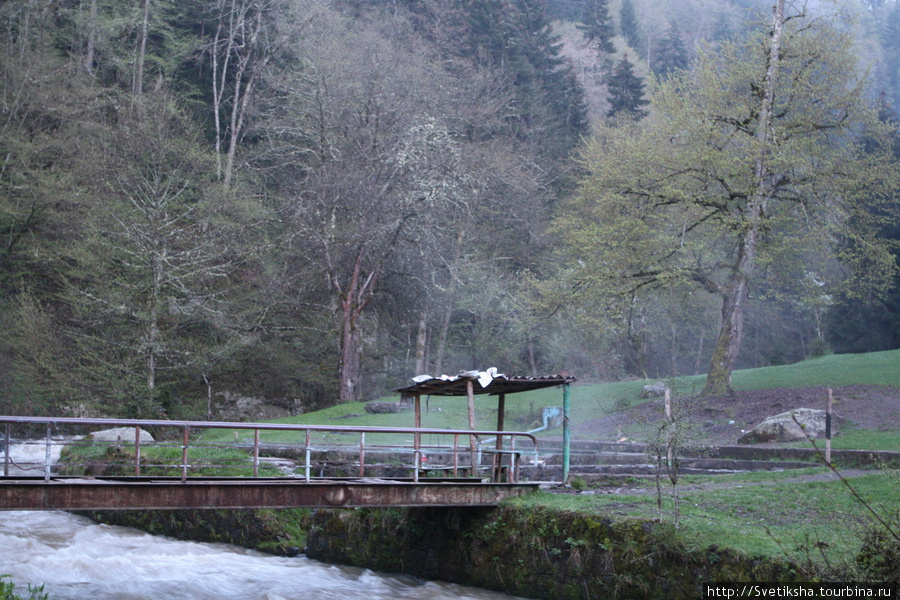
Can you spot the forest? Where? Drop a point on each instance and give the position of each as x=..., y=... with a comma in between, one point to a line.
x=311, y=201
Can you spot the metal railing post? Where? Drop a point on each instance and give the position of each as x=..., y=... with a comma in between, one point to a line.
x=417, y=455
x=362, y=454
x=255, y=452
x=456, y=455
x=137, y=451
x=307, y=456
x=417, y=444
x=6, y=453
x=184, y=455
x=513, y=463
x=47, y=454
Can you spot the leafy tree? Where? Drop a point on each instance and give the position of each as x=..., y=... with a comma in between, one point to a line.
x=147, y=279
x=378, y=166
x=867, y=322
x=756, y=143
x=890, y=41
x=626, y=92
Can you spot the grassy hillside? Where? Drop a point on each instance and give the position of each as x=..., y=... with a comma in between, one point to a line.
x=594, y=400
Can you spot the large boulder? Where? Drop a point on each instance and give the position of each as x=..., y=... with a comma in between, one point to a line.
x=120, y=435
x=236, y=407
x=380, y=408
x=791, y=426
x=654, y=390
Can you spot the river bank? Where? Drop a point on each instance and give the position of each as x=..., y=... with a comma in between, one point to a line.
x=523, y=551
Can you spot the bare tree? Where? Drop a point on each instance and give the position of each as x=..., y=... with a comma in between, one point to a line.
x=245, y=40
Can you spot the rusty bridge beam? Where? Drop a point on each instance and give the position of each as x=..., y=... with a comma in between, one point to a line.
x=163, y=493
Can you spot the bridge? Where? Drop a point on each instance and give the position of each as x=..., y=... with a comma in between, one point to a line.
x=208, y=465
x=205, y=464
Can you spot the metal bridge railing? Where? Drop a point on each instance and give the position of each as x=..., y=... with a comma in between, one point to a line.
x=503, y=461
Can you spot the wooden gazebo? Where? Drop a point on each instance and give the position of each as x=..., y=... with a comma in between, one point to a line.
x=490, y=382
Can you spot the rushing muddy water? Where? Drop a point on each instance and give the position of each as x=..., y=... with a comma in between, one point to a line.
x=76, y=559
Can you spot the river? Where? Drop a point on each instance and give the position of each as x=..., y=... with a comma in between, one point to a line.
x=77, y=559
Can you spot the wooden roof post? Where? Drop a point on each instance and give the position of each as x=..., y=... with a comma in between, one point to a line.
x=498, y=458
x=417, y=437
x=470, y=396
x=566, y=435
x=417, y=407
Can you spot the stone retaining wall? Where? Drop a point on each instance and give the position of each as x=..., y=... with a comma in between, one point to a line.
x=532, y=552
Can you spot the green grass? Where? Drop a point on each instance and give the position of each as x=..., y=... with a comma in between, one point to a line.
x=159, y=460
x=590, y=401
x=873, y=368
x=816, y=521
x=852, y=438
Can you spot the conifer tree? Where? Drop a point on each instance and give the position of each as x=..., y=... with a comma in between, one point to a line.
x=597, y=26
x=631, y=31
x=516, y=39
x=626, y=91
x=671, y=55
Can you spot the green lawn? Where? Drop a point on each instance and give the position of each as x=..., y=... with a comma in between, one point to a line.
x=763, y=514
x=590, y=401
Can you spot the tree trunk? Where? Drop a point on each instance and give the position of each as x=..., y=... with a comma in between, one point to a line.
x=421, y=344
x=728, y=345
x=353, y=301
x=699, y=352
x=442, y=339
x=138, y=87
x=451, y=298
x=92, y=38
x=350, y=352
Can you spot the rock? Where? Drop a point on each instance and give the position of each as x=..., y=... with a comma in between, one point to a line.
x=235, y=407
x=123, y=435
x=654, y=390
x=784, y=428
x=380, y=408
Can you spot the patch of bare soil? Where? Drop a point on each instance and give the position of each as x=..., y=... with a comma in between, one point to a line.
x=720, y=420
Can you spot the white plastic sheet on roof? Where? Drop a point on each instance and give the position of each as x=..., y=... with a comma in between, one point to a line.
x=484, y=377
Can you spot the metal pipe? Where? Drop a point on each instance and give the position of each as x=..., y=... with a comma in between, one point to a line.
x=261, y=426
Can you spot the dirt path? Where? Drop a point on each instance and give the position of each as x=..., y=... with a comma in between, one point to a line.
x=650, y=487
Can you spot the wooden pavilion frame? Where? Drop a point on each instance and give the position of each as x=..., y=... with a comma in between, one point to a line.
x=472, y=383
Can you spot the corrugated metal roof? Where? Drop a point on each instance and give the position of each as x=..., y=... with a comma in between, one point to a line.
x=484, y=382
